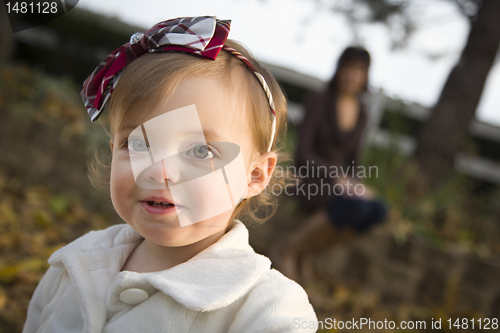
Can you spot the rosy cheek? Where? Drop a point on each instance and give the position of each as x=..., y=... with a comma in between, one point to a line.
x=121, y=169
x=121, y=183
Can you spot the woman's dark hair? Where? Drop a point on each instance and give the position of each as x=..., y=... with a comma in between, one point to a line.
x=350, y=55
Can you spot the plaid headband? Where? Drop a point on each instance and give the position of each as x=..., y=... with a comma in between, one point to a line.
x=203, y=36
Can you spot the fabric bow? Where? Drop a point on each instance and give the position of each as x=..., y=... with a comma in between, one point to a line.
x=204, y=36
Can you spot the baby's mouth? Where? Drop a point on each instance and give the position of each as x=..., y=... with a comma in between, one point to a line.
x=159, y=204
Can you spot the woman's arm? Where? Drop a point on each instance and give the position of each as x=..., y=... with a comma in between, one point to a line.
x=352, y=160
x=308, y=131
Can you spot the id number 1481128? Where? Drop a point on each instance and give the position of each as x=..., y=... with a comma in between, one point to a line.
x=32, y=7
x=466, y=323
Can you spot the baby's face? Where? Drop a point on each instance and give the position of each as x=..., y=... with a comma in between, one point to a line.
x=166, y=157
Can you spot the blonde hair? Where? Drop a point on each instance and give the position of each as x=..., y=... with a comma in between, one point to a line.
x=159, y=75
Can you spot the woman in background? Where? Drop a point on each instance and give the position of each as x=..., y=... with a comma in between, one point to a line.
x=329, y=143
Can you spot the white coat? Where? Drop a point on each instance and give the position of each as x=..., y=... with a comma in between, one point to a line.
x=225, y=288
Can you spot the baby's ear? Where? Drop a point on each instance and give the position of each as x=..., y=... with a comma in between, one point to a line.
x=262, y=171
x=111, y=144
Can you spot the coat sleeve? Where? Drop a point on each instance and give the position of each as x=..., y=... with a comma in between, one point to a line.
x=276, y=305
x=355, y=153
x=43, y=294
x=308, y=131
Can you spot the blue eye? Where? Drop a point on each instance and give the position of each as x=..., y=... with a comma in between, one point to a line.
x=136, y=144
x=201, y=152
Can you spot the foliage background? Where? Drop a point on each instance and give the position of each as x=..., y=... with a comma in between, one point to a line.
x=46, y=201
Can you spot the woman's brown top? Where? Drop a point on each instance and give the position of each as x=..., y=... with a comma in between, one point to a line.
x=321, y=144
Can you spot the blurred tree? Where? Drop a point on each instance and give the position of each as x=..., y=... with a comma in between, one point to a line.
x=392, y=13
x=6, y=35
x=445, y=130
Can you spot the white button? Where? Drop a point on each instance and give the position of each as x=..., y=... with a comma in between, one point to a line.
x=133, y=296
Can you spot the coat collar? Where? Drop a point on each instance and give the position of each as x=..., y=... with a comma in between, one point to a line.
x=214, y=278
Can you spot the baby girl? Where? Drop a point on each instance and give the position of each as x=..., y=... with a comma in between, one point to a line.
x=194, y=121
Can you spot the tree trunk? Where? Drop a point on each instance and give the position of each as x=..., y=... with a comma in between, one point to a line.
x=448, y=124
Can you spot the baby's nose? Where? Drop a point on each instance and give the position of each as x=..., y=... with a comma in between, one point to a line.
x=162, y=171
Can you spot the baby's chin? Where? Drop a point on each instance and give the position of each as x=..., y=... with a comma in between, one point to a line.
x=169, y=232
